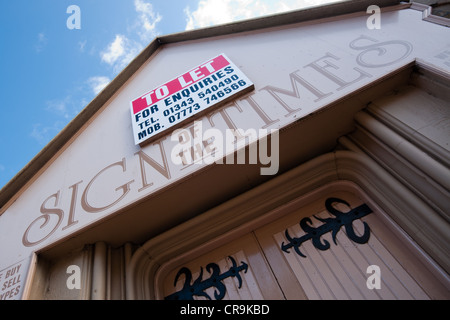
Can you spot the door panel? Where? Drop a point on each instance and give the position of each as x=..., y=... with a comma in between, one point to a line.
x=255, y=282
x=340, y=272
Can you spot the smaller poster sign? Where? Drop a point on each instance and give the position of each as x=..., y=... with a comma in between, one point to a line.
x=12, y=281
x=186, y=97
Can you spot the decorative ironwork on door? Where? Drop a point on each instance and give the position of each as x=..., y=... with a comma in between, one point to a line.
x=344, y=219
x=215, y=280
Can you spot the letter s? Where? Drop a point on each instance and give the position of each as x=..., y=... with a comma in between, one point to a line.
x=377, y=54
x=46, y=216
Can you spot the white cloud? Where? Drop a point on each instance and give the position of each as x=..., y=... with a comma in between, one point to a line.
x=58, y=107
x=60, y=112
x=147, y=20
x=115, y=50
x=98, y=83
x=213, y=12
x=120, y=52
x=123, y=48
x=43, y=134
x=67, y=107
x=82, y=45
x=42, y=41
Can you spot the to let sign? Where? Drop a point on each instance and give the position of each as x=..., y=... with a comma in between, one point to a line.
x=212, y=83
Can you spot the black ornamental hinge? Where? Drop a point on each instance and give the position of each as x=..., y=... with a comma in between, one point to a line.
x=330, y=224
x=198, y=287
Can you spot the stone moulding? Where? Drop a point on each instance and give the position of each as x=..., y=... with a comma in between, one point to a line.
x=268, y=201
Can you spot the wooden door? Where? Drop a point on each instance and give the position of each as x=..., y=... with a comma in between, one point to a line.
x=343, y=270
x=235, y=271
x=358, y=253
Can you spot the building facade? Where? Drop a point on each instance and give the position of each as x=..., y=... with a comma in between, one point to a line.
x=303, y=155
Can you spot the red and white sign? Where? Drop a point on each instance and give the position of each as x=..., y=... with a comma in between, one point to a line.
x=212, y=83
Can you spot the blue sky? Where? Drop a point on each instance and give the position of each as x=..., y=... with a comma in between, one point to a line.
x=49, y=72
